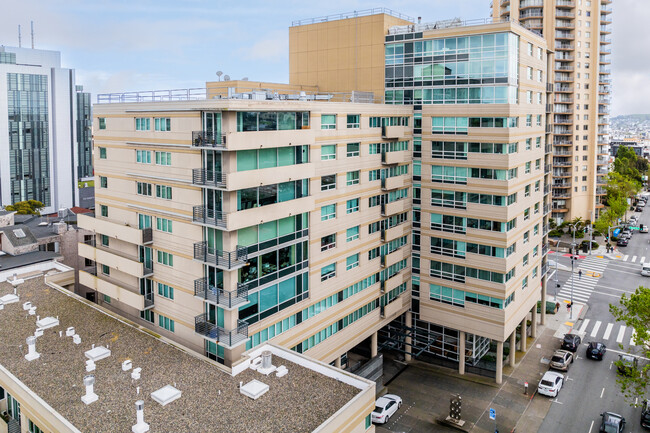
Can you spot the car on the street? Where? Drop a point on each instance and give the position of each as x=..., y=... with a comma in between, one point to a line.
x=550, y=384
x=627, y=364
x=645, y=269
x=611, y=423
x=385, y=407
x=571, y=342
x=596, y=350
x=643, y=228
x=642, y=203
x=627, y=232
x=645, y=414
x=561, y=360
x=622, y=242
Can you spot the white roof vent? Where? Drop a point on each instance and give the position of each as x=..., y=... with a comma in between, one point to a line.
x=47, y=322
x=9, y=299
x=97, y=353
x=254, y=389
x=166, y=395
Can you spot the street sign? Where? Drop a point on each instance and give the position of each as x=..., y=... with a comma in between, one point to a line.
x=633, y=228
x=493, y=414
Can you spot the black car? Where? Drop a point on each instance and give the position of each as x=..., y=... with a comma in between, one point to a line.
x=645, y=415
x=627, y=364
x=622, y=242
x=612, y=423
x=596, y=350
x=638, y=209
x=571, y=342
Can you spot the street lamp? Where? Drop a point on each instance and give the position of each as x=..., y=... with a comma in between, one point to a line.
x=573, y=246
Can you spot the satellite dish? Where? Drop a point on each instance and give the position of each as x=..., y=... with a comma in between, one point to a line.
x=219, y=74
x=226, y=78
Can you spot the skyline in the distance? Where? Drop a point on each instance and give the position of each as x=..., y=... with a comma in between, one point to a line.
x=122, y=46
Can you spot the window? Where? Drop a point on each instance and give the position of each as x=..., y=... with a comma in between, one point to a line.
x=107, y=299
x=163, y=158
x=328, y=121
x=106, y=270
x=163, y=123
x=368, y=421
x=529, y=73
x=527, y=169
x=102, y=123
x=535, y=229
x=163, y=191
x=529, y=141
x=103, y=182
x=328, y=152
x=449, y=125
x=352, y=233
x=539, y=76
x=143, y=156
x=536, y=208
x=328, y=212
x=102, y=153
x=540, y=53
x=352, y=262
x=524, y=283
x=328, y=242
x=352, y=178
x=527, y=191
x=538, y=164
x=374, y=122
x=353, y=120
x=352, y=205
x=164, y=224
x=104, y=210
x=530, y=49
x=535, y=251
x=104, y=240
x=525, y=260
x=529, y=119
x=352, y=149
x=535, y=272
x=538, y=122
x=165, y=258
x=526, y=236
x=33, y=428
x=165, y=291
x=144, y=188
x=529, y=98
x=328, y=182
x=526, y=214
x=166, y=323
x=328, y=272
x=142, y=124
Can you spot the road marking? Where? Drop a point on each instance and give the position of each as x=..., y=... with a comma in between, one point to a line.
x=610, y=365
x=595, y=330
x=633, y=259
x=621, y=353
x=555, y=401
x=570, y=324
x=602, y=392
x=608, y=331
x=625, y=258
x=621, y=332
x=584, y=326
x=642, y=260
x=591, y=426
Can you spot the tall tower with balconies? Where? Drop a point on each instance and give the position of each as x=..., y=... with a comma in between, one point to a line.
x=578, y=31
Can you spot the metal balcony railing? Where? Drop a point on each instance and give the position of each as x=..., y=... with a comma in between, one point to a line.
x=544, y=249
x=544, y=269
x=547, y=168
x=224, y=337
x=148, y=300
x=547, y=209
x=147, y=235
x=203, y=177
x=219, y=296
x=208, y=139
x=212, y=217
x=221, y=259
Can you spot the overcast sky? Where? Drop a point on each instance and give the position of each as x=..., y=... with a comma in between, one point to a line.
x=119, y=45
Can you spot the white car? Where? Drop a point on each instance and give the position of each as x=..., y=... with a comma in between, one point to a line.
x=550, y=384
x=385, y=407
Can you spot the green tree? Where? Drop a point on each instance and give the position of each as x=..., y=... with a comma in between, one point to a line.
x=28, y=207
x=627, y=163
x=634, y=311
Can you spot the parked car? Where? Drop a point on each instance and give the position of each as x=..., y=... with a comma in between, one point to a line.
x=385, y=407
x=642, y=203
x=571, y=342
x=612, y=423
x=596, y=350
x=561, y=360
x=550, y=384
x=645, y=415
x=638, y=209
x=627, y=364
x=643, y=228
x=622, y=242
x=627, y=232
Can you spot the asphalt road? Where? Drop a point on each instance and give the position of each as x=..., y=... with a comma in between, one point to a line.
x=591, y=386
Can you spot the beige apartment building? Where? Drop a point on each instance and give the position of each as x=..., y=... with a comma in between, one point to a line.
x=578, y=31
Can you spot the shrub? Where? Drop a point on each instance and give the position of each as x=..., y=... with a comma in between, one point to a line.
x=580, y=234
x=555, y=233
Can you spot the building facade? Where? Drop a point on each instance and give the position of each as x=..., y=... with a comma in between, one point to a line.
x=579, y=33
x=40, y=133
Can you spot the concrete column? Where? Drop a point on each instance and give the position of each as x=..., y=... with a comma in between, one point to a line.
x=373, y=344
x=522, y=342
x=513, y=348
x=408, y=319
x=533, y=322
x=542, y=320
x=499, y=377
x=337, y=362
x=461, y=352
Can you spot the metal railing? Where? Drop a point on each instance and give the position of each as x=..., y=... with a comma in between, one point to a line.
x=225, y=337
x=204, y=177
x=221, y=259
x=212, y=217
x=208, y=139
x=354, y=14
x=153, y=96
x=148, y=300
x=147, y=235
x=220, y=296
x=445, y=24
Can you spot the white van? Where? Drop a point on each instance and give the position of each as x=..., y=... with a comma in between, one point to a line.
x=645, y=270
x=643, y=228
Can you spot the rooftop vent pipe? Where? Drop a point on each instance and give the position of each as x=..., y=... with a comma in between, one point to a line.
x=89, y=382
x=266, y=360
x=140, y=426
x=32, y=354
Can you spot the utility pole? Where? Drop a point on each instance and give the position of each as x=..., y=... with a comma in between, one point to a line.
x=591, y=229
x=573, y=249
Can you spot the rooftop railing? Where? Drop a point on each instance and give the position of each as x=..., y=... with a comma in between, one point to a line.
x=445, y=24
x=354, y=14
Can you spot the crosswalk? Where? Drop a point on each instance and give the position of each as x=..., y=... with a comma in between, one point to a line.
x=592, y=269
x=591, y=333
x=631, y=259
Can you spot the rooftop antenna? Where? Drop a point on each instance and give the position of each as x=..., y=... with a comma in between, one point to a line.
x=219, y=73
x=32, y=23
x=20, y=38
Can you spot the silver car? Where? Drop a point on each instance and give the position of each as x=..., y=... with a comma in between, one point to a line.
x=561, y=360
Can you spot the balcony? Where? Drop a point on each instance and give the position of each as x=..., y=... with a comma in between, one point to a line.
x=393, y=132
x=222, y=336
x=116, y=259
x=116, y=290
x=562, y=131
x=601, y=191
x=563, y=120
x=394, y=232
x=395, y=207
x=565, y=68
x=561, y=13
x=562, y=24
x=560, y=207
x=121, y=231
x=561, y=173
x=560, y=152
x=249, y=217
x=560, y=195
x=562, y=142
x=544, y=249
x=604, y=71
x=563, y=99
x=209, y=217
x=605, y=50
x=563, y=46
x=226, y=260
x=203, y=177
x=564, y=78
x=547, y=209
x=561, y=184
x=265, y=139
x=561, y=163
x=524, y=4
x=531, y=13
x=564, y=57
x=604, y=29
x=390, y=183
x=220, y=297
x=605, y=40
x=390, y=158
x=208, y=140
x=564, y=35
x=569, y=4
x=547, y=168
x=563, y=89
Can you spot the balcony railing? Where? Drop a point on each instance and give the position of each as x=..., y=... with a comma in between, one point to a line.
x=212, y=217
x=221, y=259
x=547, y=209
x=563, y=46
x=148, y=300
x=544, y=249
x=544, y=269
x=147, y=235
x=223, y=336
x=203, y=177
x=208, y=139
x=565, y=3
x=219, y=296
